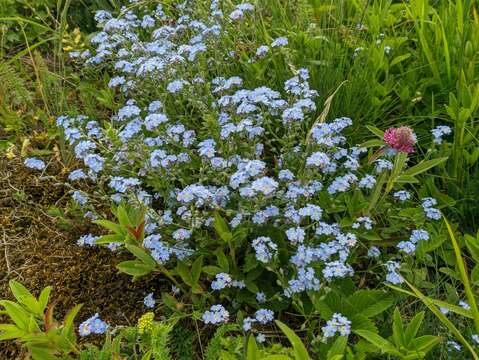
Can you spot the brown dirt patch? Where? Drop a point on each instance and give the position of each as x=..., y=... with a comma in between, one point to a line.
x=36, y=252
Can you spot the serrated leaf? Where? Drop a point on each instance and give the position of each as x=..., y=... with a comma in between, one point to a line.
x=369, y=302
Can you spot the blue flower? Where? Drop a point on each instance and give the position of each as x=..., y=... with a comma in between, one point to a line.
x=281, y=41
x=265, y=248
x=80, y=197
x=34, y=163
x=439, y=131
x=149, y=301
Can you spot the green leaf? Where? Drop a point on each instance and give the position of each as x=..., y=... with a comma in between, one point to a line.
x=398, y=329
x=338, y=347
x=142, y=255
x=382, y=344
x=252, y=351
x=221, y=227
x=472, y=244
x=212, y=270
x=399, y=59
x=361, y=322
x=276, y=357
x=44, y=298
x=10, y=331
x=68, y=322
x=117, y=229
x=134, y=268
x=423, y=166
x=407, y=179
x=18, y=315
x=122, y=217
x=372, y=143
x=370, y=302
x=375, y=131
x=110, y=238
x=184, y=273
x=300, y=352
x=25, y=297
x=413, y=327
x=196, y=269
x=41, y=353
x=425, y=343
x=222, y=260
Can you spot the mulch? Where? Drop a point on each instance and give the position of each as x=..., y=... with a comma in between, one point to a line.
x=35, y=251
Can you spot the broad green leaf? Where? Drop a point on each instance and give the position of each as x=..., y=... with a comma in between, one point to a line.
x=117, y=229
x=142, y=255
x=44, y=298
x=196, y=269
x=184, y=273
x=423, y=166
x=338, y=347
x=68, y=322
x=300, y=352
x=472, y=244
x=222, y=260
x=212, y=270
x=276, y=357
x=413, y=327
x=134, y=268
x=382, y=344
x=222, y=228
x=18, y=315
x=252, y=351
x=122, y=217
x=10, y=331
x=425, y=343
x=370, y=302
x=42, y=353
x=110, y=238
x=25, y=297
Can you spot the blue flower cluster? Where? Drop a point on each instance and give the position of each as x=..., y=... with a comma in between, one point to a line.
x=188, y=145
x=338, y=324
x=216, y=315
